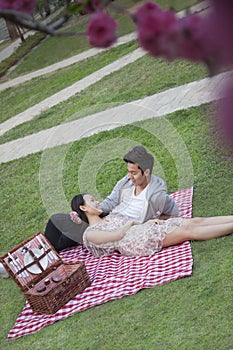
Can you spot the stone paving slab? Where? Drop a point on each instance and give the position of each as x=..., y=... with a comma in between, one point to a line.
x=181, y=97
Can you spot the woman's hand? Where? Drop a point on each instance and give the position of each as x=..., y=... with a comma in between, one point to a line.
x=75, y=217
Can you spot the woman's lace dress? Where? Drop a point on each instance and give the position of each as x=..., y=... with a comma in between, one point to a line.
x=139, y=240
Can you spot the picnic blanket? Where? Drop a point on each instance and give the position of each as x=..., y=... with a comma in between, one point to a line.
x=115, y=276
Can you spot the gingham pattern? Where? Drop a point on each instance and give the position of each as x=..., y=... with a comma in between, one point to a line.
x=116, y=276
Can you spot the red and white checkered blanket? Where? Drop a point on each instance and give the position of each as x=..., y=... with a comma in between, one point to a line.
x=115, y=276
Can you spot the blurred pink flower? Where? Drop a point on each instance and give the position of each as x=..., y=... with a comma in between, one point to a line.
x=162, y=33
x=219, y=28
x=198, y=38
x=8, y=4
x=102, y=30
x=191, y=38
x=143, y=11
x=153, y=25
x=27, y=6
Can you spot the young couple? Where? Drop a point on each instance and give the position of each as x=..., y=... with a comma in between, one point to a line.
x=135, y=222
x=135, y=226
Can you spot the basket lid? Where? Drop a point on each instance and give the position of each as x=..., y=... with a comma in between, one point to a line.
x=31, y=260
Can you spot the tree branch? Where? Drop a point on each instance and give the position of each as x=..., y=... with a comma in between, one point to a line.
x=27, y=21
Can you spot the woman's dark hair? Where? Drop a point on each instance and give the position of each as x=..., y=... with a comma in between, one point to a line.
x=75, y=205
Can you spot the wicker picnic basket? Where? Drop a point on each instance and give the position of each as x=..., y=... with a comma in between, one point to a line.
x=46, y=281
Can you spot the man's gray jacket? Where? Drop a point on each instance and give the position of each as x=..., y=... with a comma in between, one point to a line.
x=157, y=200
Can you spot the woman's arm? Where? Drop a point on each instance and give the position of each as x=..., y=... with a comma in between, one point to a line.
x=101, y=236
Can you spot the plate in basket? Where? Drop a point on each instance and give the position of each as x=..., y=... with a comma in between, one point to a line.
x=35, y=268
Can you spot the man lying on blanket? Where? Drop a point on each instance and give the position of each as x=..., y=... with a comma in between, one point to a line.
x=139, y=195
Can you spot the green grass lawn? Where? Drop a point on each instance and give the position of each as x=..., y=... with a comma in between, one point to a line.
x=190, y=313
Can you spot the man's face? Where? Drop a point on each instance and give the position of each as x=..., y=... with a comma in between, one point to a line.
x=135, y=174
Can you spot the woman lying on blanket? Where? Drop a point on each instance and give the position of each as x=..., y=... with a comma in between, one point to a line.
x=117, y=233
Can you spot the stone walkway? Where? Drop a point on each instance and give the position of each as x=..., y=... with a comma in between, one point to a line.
x=64, y=63
x=70, y=91
x=182, y=97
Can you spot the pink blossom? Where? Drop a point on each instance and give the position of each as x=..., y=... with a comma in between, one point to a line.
x=219, y=29
x=191, y=39
x=27, y=6
x=143, y=11
x=148, y=33
x=8, y=4
x=153, y=26
x=162, y=33
x=102, y=30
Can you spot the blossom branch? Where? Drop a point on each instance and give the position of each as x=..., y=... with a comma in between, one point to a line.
x=29, y=22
